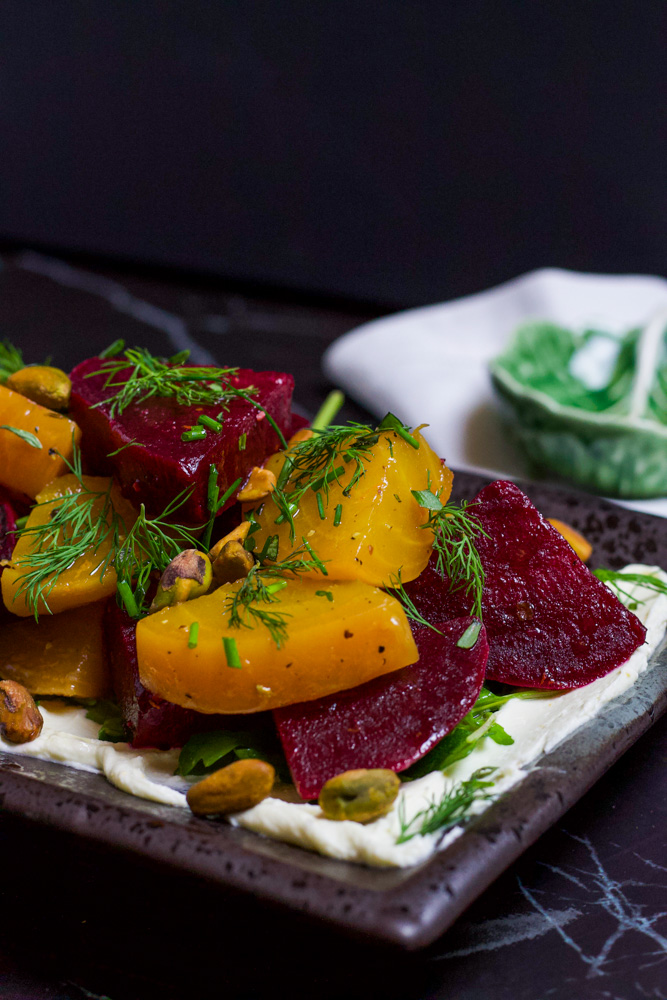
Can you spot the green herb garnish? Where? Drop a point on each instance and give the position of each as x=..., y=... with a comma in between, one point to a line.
x=619, y=578
x=206, y=752
x=453, y=809
x=26, y=436
x=11, y=360
x=109, y=715
x=455, y=531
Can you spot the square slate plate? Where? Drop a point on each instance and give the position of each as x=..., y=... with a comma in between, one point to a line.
x=409, y=908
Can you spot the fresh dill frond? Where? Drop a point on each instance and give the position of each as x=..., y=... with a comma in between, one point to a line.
x=11, y=360
x=619, y=579
x=83, y=521
x=453, y=809
x=455, y=532
x=253, y=603
x=396, y=585
x=136, y=375
x=337, y=453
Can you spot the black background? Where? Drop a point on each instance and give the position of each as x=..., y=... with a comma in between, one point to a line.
x=388, y=151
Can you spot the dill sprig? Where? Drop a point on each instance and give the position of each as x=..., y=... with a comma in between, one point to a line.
x=254, y=602
x=338, y=453
x=396, y=585
x=455, y=531
x=619, y=579
x=83, y=521
x=136, y=375
x=453, y=809
x=11, y=360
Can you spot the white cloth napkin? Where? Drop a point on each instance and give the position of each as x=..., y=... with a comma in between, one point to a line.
x=430, y=365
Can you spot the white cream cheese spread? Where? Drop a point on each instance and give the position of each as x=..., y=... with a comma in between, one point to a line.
x=536, y=726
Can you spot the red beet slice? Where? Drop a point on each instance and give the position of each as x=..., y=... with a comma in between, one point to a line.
x=152, y=721
x=165, y=465
x=550, y=622
x=391, y=721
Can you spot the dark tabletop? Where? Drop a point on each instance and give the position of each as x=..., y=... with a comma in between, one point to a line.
x=583, y=914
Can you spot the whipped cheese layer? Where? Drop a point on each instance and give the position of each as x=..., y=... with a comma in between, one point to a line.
x=536, y=726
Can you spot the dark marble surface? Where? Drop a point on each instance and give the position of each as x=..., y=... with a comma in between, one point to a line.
x=582, y=915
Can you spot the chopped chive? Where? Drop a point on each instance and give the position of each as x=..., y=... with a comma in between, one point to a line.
x=324, y=593
x=212, y=494
x=178, y=359
x=194, y=434
x=397, y=498
x=242, y=442
x=112, y=350
x=328, y=410
x=127, y=597
x=213, y=425
x=325, y=480
x=21, y=522
x=193, y=635
x=338, y=513
x=231, y=652
x=392, y=423
x=320, y=506
x=469, y=637
x=273, y=588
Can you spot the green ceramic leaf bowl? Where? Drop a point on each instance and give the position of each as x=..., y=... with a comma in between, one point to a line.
x=597, y=418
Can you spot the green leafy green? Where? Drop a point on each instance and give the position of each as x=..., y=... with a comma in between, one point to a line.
x=206, y=752
x=11, y=360
x=453, y=809
x=477, y=725
x=109, y=715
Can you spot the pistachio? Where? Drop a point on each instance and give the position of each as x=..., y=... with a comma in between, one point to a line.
x=50, y=387
x=232, y=563
x=233, y=788
x=237, y=534
x=361, y=795
x=258, y=485
x=20, y=719
x=187, y=576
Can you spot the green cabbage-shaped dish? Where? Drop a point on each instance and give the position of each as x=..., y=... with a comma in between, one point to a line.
x=610, y=438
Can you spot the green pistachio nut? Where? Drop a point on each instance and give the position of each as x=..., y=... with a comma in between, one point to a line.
x=50, y=387
x=361, y=795
x=187, y=576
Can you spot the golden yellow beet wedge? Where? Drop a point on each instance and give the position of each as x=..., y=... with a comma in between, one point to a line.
x=338, y=635
x=24, y=467
x=87, y=578
x=370, y=530
x=59, y=655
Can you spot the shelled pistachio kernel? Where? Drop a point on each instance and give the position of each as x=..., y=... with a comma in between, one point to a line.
x=361, y=795
x=187, y=576
x=20, y=719
x=233, y=788
x=258, y=485
x=50, y=387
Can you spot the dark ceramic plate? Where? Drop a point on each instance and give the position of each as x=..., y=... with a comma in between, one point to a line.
x=407, y=907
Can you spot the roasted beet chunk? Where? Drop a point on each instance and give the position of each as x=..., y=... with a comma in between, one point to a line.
x=550, y=622
x=155, y=465
x=391, y=721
